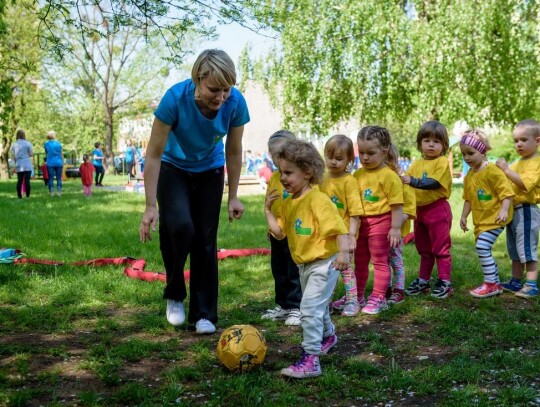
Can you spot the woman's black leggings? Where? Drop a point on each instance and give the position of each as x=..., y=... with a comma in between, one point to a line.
x=189, y=206
x=23, y=176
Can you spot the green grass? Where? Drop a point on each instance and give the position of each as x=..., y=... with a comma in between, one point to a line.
x=89, y=336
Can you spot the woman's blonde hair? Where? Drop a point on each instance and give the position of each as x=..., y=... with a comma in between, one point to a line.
x=305, y=156
x=216, y=65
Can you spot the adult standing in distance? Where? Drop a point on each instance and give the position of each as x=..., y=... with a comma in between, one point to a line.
x=22, y=152
x=55, y=162
x=184, y=172
x=98, y=164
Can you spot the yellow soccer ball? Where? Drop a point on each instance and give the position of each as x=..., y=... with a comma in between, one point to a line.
x=241, y=347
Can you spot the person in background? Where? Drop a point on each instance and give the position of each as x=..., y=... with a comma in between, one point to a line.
x=130, y=155
x=22, y=152
x=184, y=174
x=55, y=162
x=98, y=164
x=86, y=170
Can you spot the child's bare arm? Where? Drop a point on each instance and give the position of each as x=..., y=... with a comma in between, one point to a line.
x=343, y=260
x=394, y=235
x=503, y=213
x=354, y=222
x=464, y=213
x=511, y=175
x=270, y=218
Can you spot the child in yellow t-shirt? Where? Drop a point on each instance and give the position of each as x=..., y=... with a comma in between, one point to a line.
x=288, y=292
x=395, y=294
x=318, y=240
x=342, y=188
x=522, y=232
x=381, y=193
x=488, y=194
x=431, y=179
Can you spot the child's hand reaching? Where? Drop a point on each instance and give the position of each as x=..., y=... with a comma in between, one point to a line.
x=406, y=179
x=394, y=236
x=502, y=216
x=342, y=261
x=270, y=198
x=502, y=164
x=463, y=224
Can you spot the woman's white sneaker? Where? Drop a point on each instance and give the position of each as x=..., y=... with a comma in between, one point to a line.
x=204, y=327
x=175, y=312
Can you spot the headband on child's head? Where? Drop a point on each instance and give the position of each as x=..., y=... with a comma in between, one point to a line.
x=472, y=139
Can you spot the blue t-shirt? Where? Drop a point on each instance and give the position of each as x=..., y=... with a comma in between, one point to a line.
x=195, y=143
x=53, y=151
x=129, y=154
x=99, y=153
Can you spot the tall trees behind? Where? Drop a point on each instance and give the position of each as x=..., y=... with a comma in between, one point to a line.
x=20, y=61
x=110, y=63
x=405, y=61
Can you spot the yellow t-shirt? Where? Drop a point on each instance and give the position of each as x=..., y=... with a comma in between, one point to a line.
x=379, y=189
x=529, y=172
x=485, y=191
x=311, y=224
x=276, y=184
x=409, y=208
x=439, y=170
x=344, y=193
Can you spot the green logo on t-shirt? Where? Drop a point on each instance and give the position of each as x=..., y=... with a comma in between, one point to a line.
x=218, y=138
x=369, y=197
x=482, y=196
x=338, y=204
x=300, y=230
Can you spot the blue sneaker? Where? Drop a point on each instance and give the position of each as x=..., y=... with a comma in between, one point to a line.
x=528, y=291
x=513, y=285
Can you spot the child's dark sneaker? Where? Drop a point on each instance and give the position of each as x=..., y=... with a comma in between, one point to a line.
x=418, y=286
x=513, y=285
x=528, y=291
x=307, y=366
x=389, y=292
x=442, y=289
x=396, y=298
x=486, y=290
x=328, y=343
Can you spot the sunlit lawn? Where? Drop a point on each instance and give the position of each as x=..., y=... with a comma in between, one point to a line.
x=74, y=335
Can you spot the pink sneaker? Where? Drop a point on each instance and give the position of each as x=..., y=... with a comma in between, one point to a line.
x=307, y=366
x=351, y=309
x=486, y=290
x=328, y=343
x=375, y=305
x=338, y=305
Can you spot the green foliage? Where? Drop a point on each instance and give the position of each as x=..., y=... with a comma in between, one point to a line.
x=407, y=61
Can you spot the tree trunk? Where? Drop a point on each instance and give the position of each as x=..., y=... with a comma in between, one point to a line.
x=4, y=157
x=109, y=155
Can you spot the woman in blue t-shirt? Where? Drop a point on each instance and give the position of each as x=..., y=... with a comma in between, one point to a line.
x=55, y=162
x=184, y=173
x=98, y=164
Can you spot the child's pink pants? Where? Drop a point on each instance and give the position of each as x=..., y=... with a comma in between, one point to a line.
x=432, y=238
x=373, y=245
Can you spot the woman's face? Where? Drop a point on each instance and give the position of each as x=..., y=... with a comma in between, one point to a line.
x=210, y=94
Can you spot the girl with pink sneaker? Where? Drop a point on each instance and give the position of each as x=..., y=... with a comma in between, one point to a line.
x=488, y=194
x=342, y=188
x=319, y=245
x=381, y=193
